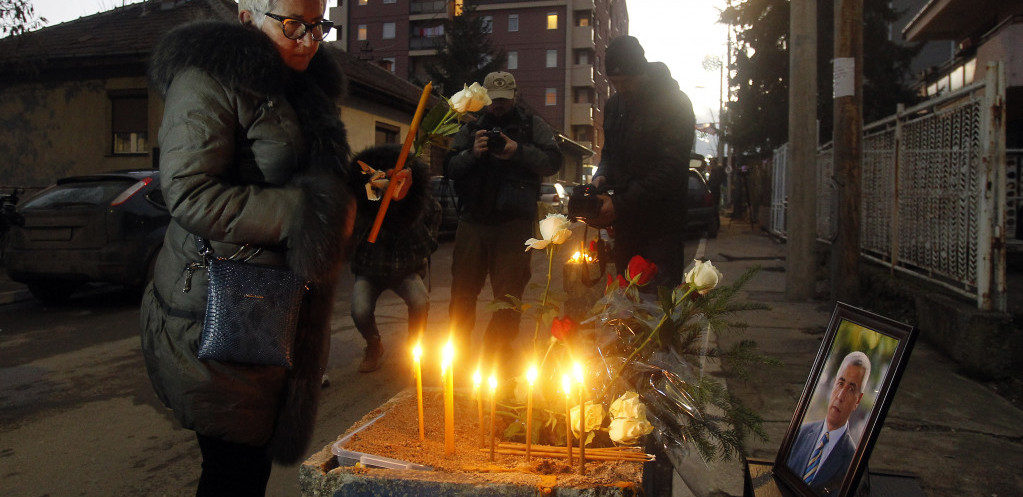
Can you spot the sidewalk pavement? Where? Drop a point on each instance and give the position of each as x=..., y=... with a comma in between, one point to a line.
x=956, y=434
x=10, y=291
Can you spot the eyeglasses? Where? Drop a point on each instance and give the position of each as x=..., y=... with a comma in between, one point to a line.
x=295, y=29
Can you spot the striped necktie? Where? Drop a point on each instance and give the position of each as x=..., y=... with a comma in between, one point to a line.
x=815, y=460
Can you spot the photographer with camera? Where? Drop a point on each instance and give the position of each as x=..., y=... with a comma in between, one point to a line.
x=497, y=164
x=642, y=177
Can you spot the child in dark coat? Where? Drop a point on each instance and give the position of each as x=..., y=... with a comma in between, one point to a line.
x=399, y=258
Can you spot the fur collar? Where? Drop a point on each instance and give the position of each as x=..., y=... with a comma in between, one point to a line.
x=240, y=57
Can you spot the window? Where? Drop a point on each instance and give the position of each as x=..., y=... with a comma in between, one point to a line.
x=390, y=1
x=552, y=58
x=582, y=58
x=513, y=22
x=582, y=21
x=551, y=97
x=513, y=60
x=386, y=133
x=362, y=32
x=552, y=20
x=488, y=24
x=363, y=2
x=388, y=31
x=129, y=123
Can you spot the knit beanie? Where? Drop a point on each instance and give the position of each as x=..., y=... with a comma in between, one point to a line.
x=624, y=57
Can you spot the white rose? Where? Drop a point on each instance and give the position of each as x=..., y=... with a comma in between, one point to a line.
x=703, y=276
x=470, y=99
x=627, y=430
x=627, y=406
x=553, y=229
x=594, y=417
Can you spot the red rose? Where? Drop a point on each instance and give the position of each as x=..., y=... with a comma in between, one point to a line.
x=563, y=329
x=593, y=246
x=642, y=269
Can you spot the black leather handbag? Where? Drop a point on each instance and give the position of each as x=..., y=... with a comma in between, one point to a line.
x=251, y=311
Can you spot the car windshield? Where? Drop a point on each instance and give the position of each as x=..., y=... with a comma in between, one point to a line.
x=78, y=194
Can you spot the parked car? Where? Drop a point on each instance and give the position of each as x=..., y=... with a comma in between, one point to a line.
x=555, y=197
x=702, y=213
x=444, y=192
x=98, y=228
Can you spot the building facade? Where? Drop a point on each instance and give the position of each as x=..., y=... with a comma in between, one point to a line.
x=554, y=49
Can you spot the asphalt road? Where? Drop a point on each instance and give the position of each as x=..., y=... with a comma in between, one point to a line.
x=78, y=415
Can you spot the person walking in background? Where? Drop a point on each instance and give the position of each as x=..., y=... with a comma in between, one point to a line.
x=399, y=258
x=649, y=130
x=252, y=154
x=497, y=164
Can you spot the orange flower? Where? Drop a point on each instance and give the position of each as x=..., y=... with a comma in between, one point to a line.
x=640, y=270
x=563, y=329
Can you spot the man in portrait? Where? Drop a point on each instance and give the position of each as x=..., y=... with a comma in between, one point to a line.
x=823, y=449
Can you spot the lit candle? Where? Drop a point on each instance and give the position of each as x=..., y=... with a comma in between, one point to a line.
x=477, y=378
x=417, y=354
x=492, y=381
x=566, y=384
x=531, y=378
x=448, y=376
x=582, y=418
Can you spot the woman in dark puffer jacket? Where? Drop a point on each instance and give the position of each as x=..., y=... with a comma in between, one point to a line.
x=251, y=152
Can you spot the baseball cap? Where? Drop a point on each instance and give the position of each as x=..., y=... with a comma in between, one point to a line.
x=500, y=85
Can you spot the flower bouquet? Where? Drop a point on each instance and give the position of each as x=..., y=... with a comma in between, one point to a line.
x=642, y=356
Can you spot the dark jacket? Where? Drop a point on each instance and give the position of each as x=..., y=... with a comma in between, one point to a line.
x=648, y=139
x=251, y=152
x=408, y=234
x=492, y=190
x=833, y=470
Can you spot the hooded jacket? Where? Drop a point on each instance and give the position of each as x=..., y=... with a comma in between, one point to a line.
x=251, y=153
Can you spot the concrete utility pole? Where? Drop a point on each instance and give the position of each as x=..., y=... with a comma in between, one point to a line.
x=800, y=263
x=848, y=79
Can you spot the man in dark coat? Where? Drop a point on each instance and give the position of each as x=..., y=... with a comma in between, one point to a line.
x=649, y=133
x=497, y=164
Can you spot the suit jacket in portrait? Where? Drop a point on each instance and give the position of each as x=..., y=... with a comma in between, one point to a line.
x=833, y=470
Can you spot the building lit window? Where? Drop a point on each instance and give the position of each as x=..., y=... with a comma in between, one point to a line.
x=363, y=2
x=388, y=31
x=552, y=58
x=513, y=60
x=488, y=24
x=582, y=21
x=513, y=22
x=552, y=20
x=363, y=32
x=129, y=123
x=551, y=97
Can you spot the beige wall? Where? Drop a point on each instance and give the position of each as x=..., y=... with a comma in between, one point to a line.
x=50, y=131
x=360, y=120
x=1004, y=47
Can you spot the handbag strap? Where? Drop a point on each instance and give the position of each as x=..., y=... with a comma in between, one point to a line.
x=202, y=245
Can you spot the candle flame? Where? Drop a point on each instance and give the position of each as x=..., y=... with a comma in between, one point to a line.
x=476, y=379
x=578, y=370
x=566, y=384
x=531, y=375
x=448, y=354
x=417, y=352
x=492, y=381
x=580, y=257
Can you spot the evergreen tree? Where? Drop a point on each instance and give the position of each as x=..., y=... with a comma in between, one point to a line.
x=18, y=16
x=467, y=54
x=758, y=117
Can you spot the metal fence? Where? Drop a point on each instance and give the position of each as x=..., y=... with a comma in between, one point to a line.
x=934, y=183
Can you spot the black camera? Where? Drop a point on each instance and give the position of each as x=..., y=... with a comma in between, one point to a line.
x=495, y=142
x=584, y=203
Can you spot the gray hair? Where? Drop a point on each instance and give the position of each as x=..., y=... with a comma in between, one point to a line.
x=861, y=360
x=258, y=8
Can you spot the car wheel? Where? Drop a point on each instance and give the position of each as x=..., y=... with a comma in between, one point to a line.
x=715, y=226
x=53, y=291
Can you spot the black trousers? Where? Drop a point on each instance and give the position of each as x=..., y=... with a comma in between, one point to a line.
x=231, y=469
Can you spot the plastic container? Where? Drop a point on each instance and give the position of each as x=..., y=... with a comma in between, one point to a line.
x=352, y=458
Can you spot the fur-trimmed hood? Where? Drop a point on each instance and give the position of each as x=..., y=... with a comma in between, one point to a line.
x=238, y=56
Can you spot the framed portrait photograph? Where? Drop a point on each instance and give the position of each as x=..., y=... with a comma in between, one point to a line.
x=843, y=405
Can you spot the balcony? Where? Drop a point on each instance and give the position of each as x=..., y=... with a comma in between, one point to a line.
x=582, y=115
x=429, y=7
x=425, y=43
x=582, y=37
x=582, y=75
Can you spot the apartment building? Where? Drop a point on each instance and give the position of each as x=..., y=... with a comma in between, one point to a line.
x=554, y=49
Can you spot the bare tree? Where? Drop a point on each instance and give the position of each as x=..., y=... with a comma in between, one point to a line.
x=18, y=16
